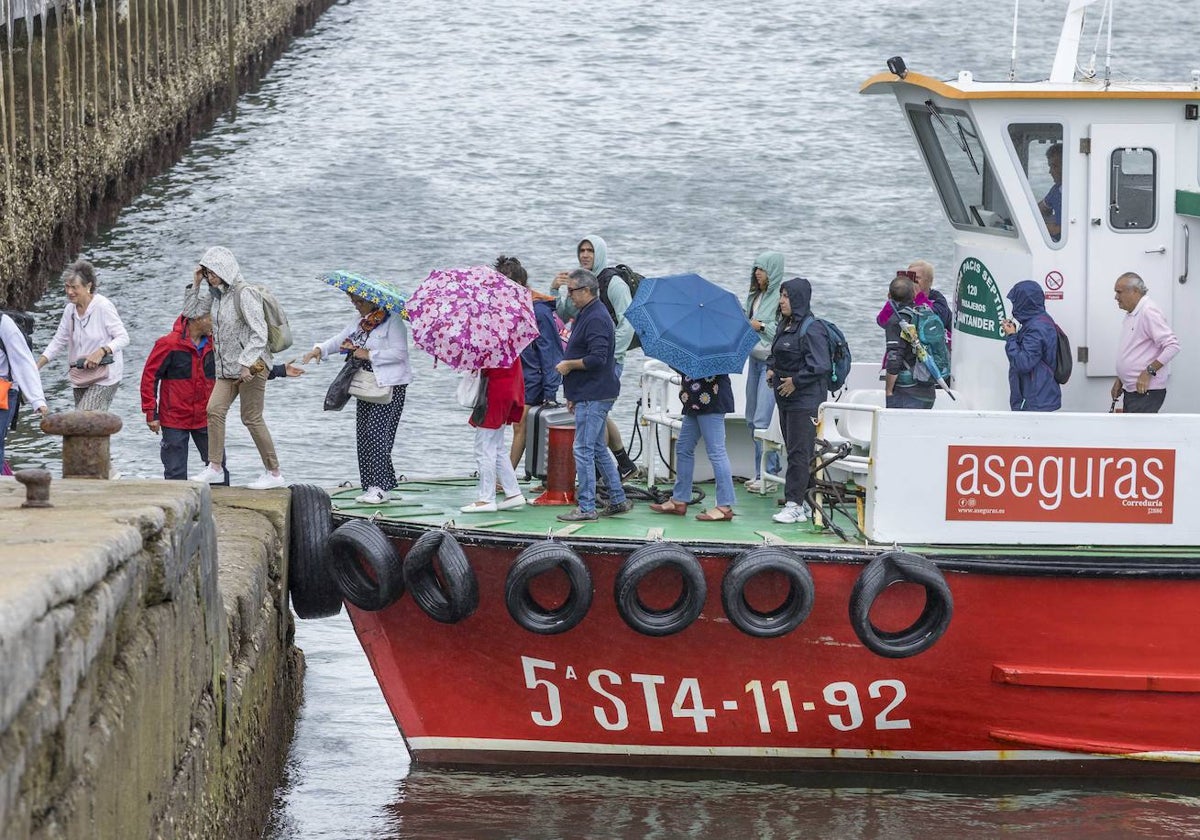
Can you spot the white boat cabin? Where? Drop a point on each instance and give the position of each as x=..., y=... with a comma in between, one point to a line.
x=971, y=471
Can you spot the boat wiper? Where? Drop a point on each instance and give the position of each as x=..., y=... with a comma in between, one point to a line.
x=959, y=136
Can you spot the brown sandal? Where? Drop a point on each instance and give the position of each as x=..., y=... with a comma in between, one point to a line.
x=670, y=506
x=716, y=515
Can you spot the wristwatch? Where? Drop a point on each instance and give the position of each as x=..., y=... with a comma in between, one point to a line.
x=1151, y=371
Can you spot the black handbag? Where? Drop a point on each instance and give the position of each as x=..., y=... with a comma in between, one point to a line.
x=339, y=389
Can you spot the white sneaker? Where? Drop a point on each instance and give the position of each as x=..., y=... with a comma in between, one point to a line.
x=210, y=475
x=266, y=481
x=755, y=485
x=792, y=513
x=517, y=501
x=373, y=496
x=479, y=507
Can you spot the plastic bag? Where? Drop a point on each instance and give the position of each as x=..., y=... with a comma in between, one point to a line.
x=339, y=389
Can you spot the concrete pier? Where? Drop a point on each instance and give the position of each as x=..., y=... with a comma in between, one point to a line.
x=148, y=684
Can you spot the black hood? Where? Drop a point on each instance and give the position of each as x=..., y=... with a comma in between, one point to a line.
x=799, y=294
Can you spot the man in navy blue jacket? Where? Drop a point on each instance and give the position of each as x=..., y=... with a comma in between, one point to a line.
x=590, y=385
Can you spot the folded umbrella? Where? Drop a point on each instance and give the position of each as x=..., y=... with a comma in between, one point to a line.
x=472, y=318
x=691, y=324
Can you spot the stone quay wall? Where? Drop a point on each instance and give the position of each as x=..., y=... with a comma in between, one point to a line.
x=97, y=96
x=148, y=681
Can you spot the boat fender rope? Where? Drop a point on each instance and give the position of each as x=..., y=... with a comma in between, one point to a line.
x=650, y=558
x=784, y=618
x=365, y=565
x=314, y=594
x=450, y=597
x=538, y=558
x=901, y=567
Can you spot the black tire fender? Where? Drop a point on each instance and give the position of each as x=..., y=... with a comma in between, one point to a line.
x=310, y=519
x=536, y=559
x=455, y=595
x=901, y=567
x=360, y=543
x=678, y=616
x=787, y=616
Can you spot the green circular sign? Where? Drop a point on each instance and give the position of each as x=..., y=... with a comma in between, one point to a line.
x=979, y=304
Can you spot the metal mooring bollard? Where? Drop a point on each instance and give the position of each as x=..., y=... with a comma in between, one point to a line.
x=37, y=487
x=85, y=437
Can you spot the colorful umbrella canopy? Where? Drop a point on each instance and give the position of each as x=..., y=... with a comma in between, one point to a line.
x=380, y=294
x=692, y=324
x=472, y=318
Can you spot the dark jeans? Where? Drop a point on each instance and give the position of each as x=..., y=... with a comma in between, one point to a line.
x=1147, y=403
x=174, y=451
x=902, y=398
x=6, y=416
x=799, y=427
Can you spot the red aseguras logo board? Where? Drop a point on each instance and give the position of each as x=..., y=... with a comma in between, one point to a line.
x=1060, y=484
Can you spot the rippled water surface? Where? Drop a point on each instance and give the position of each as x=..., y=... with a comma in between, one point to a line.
x=400, y=136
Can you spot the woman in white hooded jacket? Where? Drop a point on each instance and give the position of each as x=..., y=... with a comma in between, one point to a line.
x=241, y=357
x=92, y=333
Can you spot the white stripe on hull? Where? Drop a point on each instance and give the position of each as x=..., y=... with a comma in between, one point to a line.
x=418, y=745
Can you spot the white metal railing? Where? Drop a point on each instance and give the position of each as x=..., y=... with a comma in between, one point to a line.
x=660, y=412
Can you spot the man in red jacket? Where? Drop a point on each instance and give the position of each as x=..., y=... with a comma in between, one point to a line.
x=176, y=383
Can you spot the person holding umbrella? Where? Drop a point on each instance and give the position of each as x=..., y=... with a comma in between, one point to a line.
x=705, y=404
x=798, y=370
x=591, y=385
x=378, y=337
x=903, y=389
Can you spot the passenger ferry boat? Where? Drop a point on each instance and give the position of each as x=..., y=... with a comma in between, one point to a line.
x=992, y=593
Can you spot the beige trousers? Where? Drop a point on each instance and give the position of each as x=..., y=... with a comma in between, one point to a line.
x=251, y=393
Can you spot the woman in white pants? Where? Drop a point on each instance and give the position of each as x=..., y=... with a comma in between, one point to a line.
x=505, y=406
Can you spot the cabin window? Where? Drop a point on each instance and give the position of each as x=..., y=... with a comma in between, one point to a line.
x=1039, y=151
x=1131, y=189
x=962, y=175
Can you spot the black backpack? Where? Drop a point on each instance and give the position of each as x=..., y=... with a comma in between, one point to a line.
x=1063, y=361
x=632, y=280
x=24, y=322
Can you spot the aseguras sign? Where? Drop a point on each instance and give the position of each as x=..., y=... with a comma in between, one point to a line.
x=1060, y=484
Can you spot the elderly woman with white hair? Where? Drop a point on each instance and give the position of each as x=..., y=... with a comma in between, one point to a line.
x=93, y=335
x=242, y=361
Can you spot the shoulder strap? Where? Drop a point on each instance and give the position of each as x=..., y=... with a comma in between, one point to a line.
x=806, y=323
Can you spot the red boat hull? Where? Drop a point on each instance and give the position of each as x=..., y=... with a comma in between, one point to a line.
x=1070, y=671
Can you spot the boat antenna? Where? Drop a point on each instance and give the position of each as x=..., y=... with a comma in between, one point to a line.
x=1090, y=71
x=1012, y=63
x=1110, y=13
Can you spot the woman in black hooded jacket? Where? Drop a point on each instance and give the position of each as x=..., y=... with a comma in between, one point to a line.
x=798, y=370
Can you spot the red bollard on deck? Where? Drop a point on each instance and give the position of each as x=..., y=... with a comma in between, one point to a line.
x=560, y=467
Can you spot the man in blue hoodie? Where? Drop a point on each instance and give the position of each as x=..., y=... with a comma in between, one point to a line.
x=1032, y=347
x=798, y=369
x=591, y=385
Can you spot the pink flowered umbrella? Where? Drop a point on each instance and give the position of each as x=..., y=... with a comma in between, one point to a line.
x=472, y=318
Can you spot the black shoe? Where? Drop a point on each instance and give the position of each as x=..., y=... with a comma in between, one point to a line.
x=578, y=515
x=629, y=474
x=613, y=510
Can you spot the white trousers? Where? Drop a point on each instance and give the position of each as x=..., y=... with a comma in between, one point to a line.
x=492, y=461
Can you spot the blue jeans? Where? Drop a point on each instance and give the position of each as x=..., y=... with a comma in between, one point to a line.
x=760, y=405
x=591, y=451
x=901, y=398
x=711, y=427
x=6, y=415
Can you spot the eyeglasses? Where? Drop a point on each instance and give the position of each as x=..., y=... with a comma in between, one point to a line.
x=573, y=289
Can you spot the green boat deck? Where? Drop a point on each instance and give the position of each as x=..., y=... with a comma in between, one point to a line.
x=436, y=502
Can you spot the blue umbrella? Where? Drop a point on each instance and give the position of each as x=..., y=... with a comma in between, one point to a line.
x=692, y=324
x=380, y=294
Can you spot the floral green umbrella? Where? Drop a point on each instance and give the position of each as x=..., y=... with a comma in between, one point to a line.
x=380, y=294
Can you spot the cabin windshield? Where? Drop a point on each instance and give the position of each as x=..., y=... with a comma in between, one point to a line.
x=962, y=174
x=1039, y=151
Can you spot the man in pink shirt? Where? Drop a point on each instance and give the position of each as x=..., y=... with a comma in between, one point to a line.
x=1147, y=345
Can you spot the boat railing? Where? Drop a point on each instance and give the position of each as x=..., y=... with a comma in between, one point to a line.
x=660, y=412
